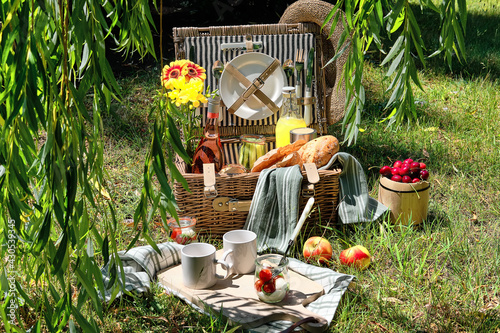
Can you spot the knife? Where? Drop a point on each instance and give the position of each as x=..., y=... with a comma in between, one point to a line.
x=308, y=92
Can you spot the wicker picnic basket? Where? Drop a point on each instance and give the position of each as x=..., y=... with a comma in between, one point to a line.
x=235, y=192
x=280, y=41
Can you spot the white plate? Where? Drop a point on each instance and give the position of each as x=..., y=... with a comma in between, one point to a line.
x=251, y=65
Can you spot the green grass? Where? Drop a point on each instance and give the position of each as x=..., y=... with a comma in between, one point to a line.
x=440, y=276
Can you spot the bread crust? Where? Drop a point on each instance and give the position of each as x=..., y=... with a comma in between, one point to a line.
x=290, y=160
x=276, y=155
x=266, y=160
x=320, y=150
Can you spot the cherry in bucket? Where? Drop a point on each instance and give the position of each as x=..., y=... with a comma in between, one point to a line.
x=406, y=171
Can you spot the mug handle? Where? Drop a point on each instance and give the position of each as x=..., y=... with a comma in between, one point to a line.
x=228, y=267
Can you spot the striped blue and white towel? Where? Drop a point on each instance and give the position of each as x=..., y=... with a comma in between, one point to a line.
x=355, y=203
x=274, y=210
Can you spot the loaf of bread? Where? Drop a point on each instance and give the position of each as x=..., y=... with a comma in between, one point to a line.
x=320, y=150
x=276, y=155
x=290, y=160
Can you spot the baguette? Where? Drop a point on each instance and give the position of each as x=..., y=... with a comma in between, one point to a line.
x=276, y=155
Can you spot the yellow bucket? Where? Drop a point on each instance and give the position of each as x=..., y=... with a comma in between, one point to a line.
x=408, y=202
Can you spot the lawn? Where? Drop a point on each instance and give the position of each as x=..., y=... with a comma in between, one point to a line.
x=440, y=276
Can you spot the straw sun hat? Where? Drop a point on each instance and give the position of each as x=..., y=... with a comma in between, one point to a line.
x=316, y=11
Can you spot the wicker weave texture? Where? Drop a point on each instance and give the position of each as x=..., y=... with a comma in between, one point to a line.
x=242, y=187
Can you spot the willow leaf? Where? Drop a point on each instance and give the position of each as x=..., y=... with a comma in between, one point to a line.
x=462, y=11
x=395, y=64
x=80, y=319
x=412, y=70
x=460, y=38
x=394, y=50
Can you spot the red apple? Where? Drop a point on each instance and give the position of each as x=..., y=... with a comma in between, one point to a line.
x=318, y=249
x=357, y=256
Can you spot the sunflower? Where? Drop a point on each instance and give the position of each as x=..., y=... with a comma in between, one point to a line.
x=173, y=72
x=194, y=72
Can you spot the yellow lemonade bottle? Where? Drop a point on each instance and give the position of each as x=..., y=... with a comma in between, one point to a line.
x=289, y=119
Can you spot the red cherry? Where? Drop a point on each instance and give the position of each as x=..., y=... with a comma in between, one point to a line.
x=397, y=164
x=265, y=275
x=415, y=166
x=175, y=232
x=396, y=178
x=423, y=166
x=395, y=171
x=415, y=180
x=404, y=170
x=406, y=179
x=424, y=174
x=385, y=170
x=408, y=161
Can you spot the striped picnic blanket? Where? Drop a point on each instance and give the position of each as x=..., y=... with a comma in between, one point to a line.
x=143, y=263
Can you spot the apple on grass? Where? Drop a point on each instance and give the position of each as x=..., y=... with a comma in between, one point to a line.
x=357, y=256
x=318, y=249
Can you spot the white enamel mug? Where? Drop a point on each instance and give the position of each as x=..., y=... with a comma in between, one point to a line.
x=240, y=251
x=199, y=266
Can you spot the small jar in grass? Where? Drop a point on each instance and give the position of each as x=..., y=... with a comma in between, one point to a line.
x=184, y=231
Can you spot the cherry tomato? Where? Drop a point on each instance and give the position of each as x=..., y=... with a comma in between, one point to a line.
x=265, y=275
x=258, y=284
x=269, y=287
x=175, y=232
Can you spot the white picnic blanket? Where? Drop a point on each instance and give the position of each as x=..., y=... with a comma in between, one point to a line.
x=141, y=264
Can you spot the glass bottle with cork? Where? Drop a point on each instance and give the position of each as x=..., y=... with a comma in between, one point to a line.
x=210, y=149
x=289, y=119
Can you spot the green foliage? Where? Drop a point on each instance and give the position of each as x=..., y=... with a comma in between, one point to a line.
x=53, y=184
x=369, y=23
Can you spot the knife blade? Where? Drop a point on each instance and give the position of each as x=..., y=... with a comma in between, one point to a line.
x=308, y=92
